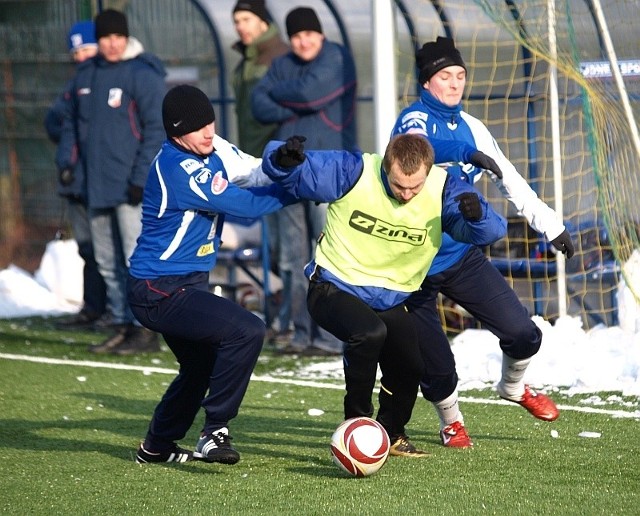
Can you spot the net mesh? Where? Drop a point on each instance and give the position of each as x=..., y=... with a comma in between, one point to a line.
x=509, y=55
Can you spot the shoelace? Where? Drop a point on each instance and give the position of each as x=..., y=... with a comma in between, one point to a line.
x=221, y=439
x=403, y=442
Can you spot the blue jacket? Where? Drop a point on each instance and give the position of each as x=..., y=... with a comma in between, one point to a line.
x=441, y=123
x=56, y=114
x=325, y=176
x=184, y=205
x=115, y=126
x=53, y=122
x=316, y=99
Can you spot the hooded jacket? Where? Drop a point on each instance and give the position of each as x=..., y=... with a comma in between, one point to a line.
x=115, y=126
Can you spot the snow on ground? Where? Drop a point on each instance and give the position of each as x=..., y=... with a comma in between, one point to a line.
x=578, y=361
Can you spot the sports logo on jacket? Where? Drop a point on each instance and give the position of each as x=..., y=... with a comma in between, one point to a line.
x=115, y=97
x=203, y=176
x=381, y=229
x=218, y=183
x=414, y=122
x=205, y=249
x=190, y=165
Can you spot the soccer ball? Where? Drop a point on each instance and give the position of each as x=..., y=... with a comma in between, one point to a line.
x=360, y=446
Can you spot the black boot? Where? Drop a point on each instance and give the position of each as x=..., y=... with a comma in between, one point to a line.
x=83, y=320
x=112, y=342
x=138, y=340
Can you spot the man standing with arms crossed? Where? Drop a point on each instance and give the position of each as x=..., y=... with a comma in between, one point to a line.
x=310, y=91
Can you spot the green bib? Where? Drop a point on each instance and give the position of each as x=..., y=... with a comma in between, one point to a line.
x=371, y=239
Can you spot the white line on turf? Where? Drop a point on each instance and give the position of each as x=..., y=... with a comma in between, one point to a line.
x=301, y=383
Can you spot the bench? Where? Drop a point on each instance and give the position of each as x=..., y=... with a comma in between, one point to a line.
x=540, y=267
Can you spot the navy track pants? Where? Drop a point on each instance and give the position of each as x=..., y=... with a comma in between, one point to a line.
x=479, y=288
x=216, y=343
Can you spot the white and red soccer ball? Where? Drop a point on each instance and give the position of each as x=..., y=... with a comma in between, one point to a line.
x=360, y=446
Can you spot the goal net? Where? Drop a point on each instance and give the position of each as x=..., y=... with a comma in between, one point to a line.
x=518, y=60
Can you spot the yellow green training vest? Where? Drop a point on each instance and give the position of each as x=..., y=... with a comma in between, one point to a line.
x=371, y=239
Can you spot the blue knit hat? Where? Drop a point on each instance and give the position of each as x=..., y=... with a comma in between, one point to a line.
x=82, y=34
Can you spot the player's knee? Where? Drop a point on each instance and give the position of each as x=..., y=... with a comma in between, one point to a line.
x=375, y=335
x=253, y=331
x=256, y=329
x=524, y=343
x=436, y=388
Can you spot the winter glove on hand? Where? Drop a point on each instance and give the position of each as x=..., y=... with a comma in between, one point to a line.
x=134, y=195
x=481, y=160
x=470, y=206
x=291, y=153
x=66, y=177
x=564, y=244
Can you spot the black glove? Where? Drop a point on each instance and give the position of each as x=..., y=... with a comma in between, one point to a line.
x=291, y=153
x=564, y=244
x=66, y=177
x=134, y=195
x=470, y=206
x=481, y=160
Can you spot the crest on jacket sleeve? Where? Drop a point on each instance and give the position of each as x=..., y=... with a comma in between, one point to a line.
x=218, y=183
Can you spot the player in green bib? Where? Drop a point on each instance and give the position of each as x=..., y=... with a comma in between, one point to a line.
x=384, y=226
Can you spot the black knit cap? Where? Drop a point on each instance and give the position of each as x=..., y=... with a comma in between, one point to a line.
x=257, y=7
x=185, y=109
x=302, y=18
x=436, y=55
x=109, y=22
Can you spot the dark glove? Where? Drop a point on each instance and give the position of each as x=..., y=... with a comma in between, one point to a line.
x=134, y=195
x=470, y=206
x=564, y=244
x=66, y=177
x=291, y=153
x=481, y=160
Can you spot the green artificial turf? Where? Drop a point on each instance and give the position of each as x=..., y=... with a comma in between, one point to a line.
x=69, y=431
